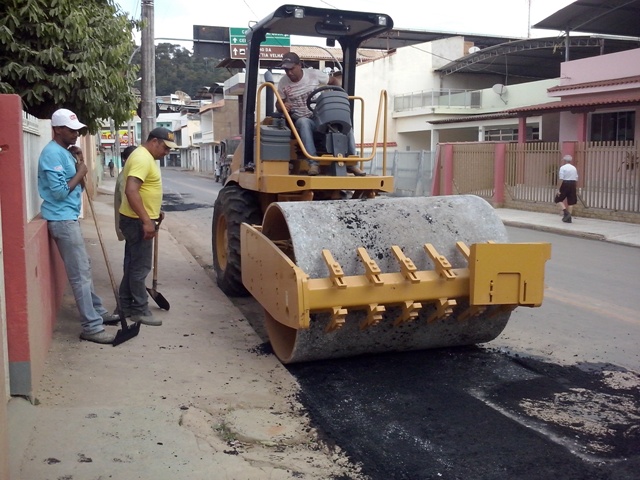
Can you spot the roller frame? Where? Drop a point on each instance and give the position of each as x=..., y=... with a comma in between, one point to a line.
x=509, y=275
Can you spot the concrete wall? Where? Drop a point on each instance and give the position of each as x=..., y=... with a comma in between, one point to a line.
x=225, y=119
x=4, y=369
x=603, y=67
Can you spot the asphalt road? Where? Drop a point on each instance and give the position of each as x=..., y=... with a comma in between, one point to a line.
x=557, y=395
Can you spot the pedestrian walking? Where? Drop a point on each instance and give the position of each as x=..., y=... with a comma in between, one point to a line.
x=140, y=217
x=567, y=195
x=60, y=184
x=111, y=168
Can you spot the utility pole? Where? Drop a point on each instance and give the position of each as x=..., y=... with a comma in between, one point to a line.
x=148, y=52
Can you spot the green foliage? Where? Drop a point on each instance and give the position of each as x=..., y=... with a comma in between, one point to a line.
x=68, y=54
x=178, y=69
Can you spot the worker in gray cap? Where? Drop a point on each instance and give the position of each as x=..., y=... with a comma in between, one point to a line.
x=567, y=195
x=140, y=217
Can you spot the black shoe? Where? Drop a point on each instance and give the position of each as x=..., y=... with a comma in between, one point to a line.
x=566, y=219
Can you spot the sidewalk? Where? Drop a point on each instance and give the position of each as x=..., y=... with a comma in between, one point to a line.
x=613, y=232
x=196, y=398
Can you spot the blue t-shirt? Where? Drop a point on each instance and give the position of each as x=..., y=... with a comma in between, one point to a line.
x=55, y=168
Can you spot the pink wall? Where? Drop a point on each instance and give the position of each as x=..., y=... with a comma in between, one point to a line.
x=31, y=262
x=603, y=67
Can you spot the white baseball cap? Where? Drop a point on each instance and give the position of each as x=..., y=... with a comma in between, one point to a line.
x=567, y=158
x=66, y=118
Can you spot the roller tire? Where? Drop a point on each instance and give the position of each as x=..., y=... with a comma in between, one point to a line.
x=233, y=206
x=224, y=174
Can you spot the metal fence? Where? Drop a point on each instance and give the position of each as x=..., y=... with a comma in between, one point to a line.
x=532, y=171
x=447, y=98
x=473, y=170
x=609, y=175
x=412, y=171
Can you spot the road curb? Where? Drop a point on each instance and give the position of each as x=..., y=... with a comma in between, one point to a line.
x=558, y=230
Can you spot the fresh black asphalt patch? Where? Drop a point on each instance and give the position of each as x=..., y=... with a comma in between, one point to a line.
x=172, y=202
x=473, y=413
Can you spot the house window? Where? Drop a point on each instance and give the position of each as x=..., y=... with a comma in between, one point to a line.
x=612, y=126
x=510, y=134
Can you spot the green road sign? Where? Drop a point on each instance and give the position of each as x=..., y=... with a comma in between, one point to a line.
x=237, y=36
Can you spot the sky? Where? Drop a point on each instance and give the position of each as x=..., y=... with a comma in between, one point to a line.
x=509, y=18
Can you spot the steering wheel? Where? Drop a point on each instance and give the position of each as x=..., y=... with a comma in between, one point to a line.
x=311, y=101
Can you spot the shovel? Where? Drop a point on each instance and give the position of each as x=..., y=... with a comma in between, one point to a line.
x=157, y=296
x=127, y=332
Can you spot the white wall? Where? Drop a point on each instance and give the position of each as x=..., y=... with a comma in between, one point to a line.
x=410, y=70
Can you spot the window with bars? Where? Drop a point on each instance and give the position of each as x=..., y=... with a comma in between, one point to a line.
x=510, y=134
x=612, y=127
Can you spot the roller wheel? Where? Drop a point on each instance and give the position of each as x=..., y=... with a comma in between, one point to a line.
x=233, y=206
x=306, y=228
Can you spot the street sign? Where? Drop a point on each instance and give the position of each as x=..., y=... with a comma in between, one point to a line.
x=274, y=46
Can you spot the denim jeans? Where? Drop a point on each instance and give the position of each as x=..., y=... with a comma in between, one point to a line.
x=138, y=254
x=68, y=237
x=306, y=126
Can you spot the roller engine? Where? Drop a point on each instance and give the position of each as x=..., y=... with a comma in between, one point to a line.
x=341, y=267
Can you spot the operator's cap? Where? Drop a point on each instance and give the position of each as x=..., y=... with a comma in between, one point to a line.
x=289, y=60
x=165, y=135
x=567, y=158
x=66, y=118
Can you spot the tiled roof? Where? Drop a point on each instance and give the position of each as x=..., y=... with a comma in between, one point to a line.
x=602, y=83
x=310, y=52
x=583, y=101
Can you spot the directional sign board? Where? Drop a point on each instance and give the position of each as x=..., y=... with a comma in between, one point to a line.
x=274, y=46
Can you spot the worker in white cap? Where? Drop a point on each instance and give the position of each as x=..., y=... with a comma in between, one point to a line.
x=60, y=183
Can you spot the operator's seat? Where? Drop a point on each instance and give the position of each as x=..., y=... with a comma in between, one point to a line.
x=332, y=117
x=333, y=112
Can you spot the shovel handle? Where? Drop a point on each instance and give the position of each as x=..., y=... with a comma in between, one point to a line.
x=155, y=259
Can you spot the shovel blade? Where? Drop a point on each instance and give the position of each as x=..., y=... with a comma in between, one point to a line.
x=159, y=299
x=126, y=333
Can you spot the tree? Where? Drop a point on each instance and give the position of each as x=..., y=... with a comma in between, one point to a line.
x=178, y=69
x=68, y=54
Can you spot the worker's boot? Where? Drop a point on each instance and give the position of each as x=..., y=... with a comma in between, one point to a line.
x=355, y=170
x=313, y=170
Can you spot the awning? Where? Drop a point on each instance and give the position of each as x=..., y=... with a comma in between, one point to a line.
x=606, y=17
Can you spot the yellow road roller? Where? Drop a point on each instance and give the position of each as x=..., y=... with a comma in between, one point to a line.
x=339, y=265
